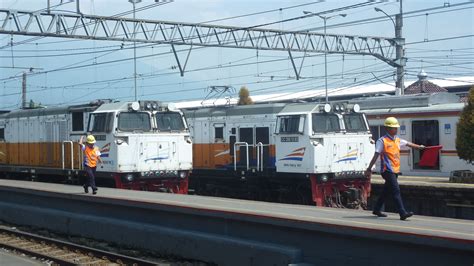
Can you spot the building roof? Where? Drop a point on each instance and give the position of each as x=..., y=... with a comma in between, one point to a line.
x=313, y=94
x=424, y=86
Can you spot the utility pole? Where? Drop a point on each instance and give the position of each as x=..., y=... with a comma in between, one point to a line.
x=400, y=60
x=134, y=49
x=324, y=18
x=23, y=92
x=400, y=53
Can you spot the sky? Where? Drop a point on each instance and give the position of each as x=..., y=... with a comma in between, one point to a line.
x=439, y=38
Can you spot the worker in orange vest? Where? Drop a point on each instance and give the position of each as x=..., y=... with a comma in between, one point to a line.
x=91, y=158
x=388, y=148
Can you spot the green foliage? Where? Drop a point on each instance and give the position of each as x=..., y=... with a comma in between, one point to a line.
x=244, y=96
x=465, y=131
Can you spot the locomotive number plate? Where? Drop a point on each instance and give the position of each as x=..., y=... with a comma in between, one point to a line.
x=289, y=139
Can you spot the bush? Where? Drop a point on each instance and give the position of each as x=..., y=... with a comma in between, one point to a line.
x=465, y=130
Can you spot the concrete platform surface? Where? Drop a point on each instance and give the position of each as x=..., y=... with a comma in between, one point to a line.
x=425, y=181
x=461, y=231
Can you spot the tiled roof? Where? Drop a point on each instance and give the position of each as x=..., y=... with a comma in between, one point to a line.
x=423, y=86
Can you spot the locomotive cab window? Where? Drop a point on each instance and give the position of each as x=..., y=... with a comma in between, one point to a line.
x=290, y=124
x=355, y=122
x=169, y=121
x=77, y=121
x=134, y=121
x=101, y=122
x=218, y=133
x=324, y=122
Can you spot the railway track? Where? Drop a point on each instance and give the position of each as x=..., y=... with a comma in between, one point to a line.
x=61, y=252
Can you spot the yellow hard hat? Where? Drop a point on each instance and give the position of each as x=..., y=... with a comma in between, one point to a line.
x=90, y=139
x=391, y=122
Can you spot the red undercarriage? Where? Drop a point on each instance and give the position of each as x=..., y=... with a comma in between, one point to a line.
x=172, y=185
x=324, y=192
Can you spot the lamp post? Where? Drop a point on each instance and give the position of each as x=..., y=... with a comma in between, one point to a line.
x=325, y=18
x=134, y=2
x=400, y=60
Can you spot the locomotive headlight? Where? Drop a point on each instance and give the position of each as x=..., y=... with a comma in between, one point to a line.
x=154, y=106
x=135, y=106
x=148, y=106
x=129, y=177
x=356, y=108
x=182, y=174
x=337, y=107
x=327, y=108
x=324, y=178
x=353, y=107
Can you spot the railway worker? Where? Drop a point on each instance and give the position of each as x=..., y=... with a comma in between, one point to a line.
x=388, y=148
x=91, y=158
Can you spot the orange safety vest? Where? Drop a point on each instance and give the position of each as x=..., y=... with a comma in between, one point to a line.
x=90, y=156
x=390, y=156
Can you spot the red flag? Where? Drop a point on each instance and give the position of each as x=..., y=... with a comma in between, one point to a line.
x=429, y=158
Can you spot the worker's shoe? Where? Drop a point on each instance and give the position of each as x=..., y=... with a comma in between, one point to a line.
x=86, y=189
x=379, y=214
x=403, y=217
x=94, y=191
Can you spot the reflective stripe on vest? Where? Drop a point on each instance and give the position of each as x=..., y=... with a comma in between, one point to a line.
x=390, y=156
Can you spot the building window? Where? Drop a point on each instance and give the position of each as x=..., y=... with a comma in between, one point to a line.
x=425, y=132
x=377, y=132
x=2, y=134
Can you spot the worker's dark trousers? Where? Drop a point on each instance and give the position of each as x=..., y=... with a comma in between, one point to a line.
x=390, y=188
x=90, y=177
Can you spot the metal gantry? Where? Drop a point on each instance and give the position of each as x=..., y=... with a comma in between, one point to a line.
x=91, y=27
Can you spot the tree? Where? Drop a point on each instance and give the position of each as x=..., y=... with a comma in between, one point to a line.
x=465, y=130
x=244, y=96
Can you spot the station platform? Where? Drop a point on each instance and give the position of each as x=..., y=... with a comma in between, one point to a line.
x=424, y=181
x=431, y=196
x=238, y=232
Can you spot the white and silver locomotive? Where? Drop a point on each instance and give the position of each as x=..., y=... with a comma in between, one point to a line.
x=144, y=145
x=305, y=152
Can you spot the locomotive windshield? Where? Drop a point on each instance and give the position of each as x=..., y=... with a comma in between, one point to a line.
x=355, y=122
x=101, y=122
x=324, y=122
x=169, y=121
x=134, y=121
x=290, y=124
